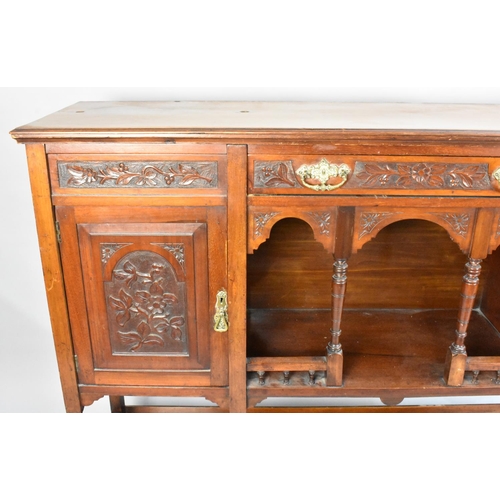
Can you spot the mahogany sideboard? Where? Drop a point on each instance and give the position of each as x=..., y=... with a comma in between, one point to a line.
x=245, y=253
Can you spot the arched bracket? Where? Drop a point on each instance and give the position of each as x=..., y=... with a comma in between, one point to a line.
x=458, y=222
x=261, y=220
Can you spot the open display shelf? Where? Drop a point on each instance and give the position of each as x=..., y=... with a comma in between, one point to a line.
x=408, y=280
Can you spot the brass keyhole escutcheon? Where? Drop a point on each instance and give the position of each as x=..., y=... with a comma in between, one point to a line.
x=221, y=322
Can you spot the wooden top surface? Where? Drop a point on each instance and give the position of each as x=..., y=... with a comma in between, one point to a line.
x=215, y=119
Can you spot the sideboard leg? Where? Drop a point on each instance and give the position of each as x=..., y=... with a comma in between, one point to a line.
x=117, y=404
x=335, y=356
x=457, y=355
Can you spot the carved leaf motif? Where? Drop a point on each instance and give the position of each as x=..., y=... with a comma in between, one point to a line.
x=274, y=174
x=469, y=176
x=155, y=289
x=116, y=303
x=142, y=296
x=122, y=305
x=143, y=335
x=283, y=174
x=125, y=179
x=374, y=174
x=170, y=298
x=188, y=179
x=80, y=175
x=189, y=175
x=132, y=339
x=129, y=273
x=175, y=323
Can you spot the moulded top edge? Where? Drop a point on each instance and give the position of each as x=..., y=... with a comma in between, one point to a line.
x=229, y=119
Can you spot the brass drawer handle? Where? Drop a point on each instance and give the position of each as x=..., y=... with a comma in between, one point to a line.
x=221, y=323
x=319, y=175
x=496, y=175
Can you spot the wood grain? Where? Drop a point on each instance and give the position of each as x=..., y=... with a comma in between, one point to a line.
x=53, y=275
x=236, y=241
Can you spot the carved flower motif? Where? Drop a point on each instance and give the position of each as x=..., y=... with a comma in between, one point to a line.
x=429, y=175
x=421, y=173
x=155, y=304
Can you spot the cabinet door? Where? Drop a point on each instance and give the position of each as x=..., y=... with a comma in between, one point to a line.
x=145, y=289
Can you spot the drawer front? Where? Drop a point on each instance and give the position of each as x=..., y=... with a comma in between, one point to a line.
x=371, y=175
x=138, y=174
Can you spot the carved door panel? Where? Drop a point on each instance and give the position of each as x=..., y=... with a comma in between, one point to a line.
x=145, y=292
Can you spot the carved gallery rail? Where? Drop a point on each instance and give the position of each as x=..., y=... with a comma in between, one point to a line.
x=295, y=250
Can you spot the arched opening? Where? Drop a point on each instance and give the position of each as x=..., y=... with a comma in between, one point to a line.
x=289, y=293
x=287, y=270
x=402, y=303
x=410, y=264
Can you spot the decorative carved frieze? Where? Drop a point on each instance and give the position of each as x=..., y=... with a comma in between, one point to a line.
x=146, y=306
x=133, y=174
x=279, y=174
x=420, y=175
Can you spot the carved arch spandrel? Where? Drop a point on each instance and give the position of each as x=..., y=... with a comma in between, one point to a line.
x=262, y=219
x=458, y=222
x=495, y=232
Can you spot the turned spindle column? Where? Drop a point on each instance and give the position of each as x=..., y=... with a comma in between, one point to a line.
x=457, y=355
x=334, y=350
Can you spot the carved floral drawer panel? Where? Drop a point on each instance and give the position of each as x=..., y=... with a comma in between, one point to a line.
x=432, y=176
x=138, y=174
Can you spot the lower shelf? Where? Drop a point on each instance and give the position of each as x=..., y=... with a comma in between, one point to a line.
x=388, y=354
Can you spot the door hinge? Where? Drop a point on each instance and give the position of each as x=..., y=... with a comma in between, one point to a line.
x=76, y=363
x=58, y=232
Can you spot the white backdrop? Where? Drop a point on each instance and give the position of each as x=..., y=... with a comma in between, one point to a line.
x=29, y=380
x=380, y=51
